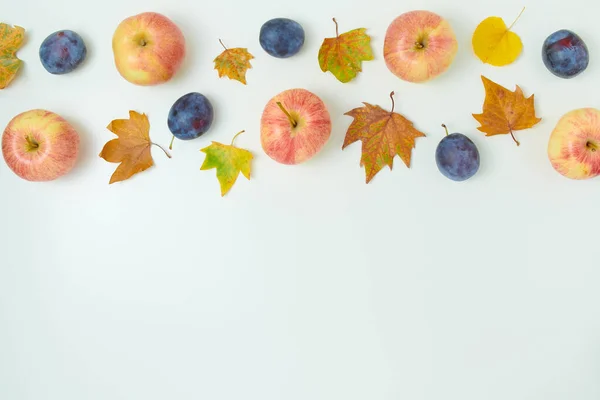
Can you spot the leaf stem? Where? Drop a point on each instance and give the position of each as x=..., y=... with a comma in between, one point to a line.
x=236, y=135
x=171, y=145
x=220, y=41
x=337, y=32
x=516, y=19
x=514, y=138
x=162, y=148
x=393, y=103
x=446, y=128
x=292, y=120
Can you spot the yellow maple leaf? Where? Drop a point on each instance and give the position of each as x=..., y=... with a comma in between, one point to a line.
x=384, y=134
x=229, y=162
x=233, y=63
x=505, y=111
x=132, y=148
x=343, y=55
x=496, y=44
x=11, y=40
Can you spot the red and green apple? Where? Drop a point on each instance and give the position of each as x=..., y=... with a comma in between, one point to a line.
x=295, y=125
x=574, y=144
x=419, y=46
x=39, y=145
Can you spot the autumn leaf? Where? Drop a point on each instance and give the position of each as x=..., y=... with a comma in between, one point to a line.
x=505, y=111
x=383, y=134
x=496, y=44
x=132, y=148
x=229, y=162
x=233, y=63
x=11, y=40
x=343, y=55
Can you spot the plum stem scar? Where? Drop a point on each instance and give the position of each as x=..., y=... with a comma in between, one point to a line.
x=592, y=146
x=162, y=148
x=292, y=120
x=236, y=135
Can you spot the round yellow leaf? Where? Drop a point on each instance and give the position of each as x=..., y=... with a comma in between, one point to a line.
x=495, y=44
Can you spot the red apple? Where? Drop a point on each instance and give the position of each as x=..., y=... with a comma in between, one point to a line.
x=148, y=48
x=574, y=144
x=419, y=46
x=295, y=125
x=39, y=145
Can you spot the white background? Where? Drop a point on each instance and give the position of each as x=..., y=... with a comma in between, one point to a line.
x=303, y=283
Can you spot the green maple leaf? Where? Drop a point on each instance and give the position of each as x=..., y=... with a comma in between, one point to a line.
x=343, y=55
x=11, y=40
x=229, y=162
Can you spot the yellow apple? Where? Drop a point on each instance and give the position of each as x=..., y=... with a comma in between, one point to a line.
x=148, y=48
x=574, y=144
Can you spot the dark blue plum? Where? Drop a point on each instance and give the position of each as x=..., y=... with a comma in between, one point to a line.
x=281, y=37
x=190, y=116
x=62, y=52
x=565, y=54
x=457, y=157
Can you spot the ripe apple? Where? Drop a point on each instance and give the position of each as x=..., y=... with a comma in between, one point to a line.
x=295, y=125
x=148, y=48
x=574, y=144
x=39, y=145
x=419, y=46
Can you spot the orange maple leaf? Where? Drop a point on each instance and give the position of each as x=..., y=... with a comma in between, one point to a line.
x=233, y=63
x=505, y=111
x=384, y=134
x=132, y=148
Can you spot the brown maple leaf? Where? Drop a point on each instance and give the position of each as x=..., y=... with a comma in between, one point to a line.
x=384, y=134
x=505, y=111
x=131, y=148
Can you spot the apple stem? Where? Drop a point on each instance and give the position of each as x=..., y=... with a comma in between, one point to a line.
x=236, y=135
x=393, y=103
x=31, y=143
x=516, y=19
x=514, y=138
x=292, y=120
x=337, y=32
x=162, y=148
x=446, y=128
x=592, y=146
x=220, y=41
x=171, y=145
